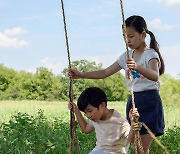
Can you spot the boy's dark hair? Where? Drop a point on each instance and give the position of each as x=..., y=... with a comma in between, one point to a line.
x=93, y=96
x=139, y=24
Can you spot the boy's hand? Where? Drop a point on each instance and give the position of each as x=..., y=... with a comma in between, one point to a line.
x=136, y=126
x=73, y=106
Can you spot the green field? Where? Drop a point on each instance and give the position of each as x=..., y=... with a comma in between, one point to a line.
x=34, y=127
x=59, y=109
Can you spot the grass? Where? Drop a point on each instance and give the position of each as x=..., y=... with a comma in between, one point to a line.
x=51, y=109
x=59, y=109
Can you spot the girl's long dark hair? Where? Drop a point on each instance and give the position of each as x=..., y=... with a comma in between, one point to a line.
x=139, y=24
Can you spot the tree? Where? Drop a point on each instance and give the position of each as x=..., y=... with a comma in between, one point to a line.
x=79, y=85
x=43, y=81
x=6, y=78
x=114, y=86
x=170, y=89
x=44, y=85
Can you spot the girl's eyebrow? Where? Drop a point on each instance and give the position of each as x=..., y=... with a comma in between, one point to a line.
x=130, y=35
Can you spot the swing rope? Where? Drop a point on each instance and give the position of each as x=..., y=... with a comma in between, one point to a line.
x=137, y=138
x=73, y=123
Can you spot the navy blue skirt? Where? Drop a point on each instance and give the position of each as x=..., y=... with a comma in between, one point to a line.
x=150, y=108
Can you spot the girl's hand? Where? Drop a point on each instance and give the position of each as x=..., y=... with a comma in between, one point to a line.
x=74, y=74
x=131, y=64
x=73, y=106
x=133, y=113
x=135, y=125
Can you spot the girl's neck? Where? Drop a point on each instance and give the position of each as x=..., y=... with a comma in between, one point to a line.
x=141, y=48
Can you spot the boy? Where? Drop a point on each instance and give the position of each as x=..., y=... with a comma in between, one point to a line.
x=113, y=132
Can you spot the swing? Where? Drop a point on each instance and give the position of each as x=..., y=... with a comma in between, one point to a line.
x=73, y=123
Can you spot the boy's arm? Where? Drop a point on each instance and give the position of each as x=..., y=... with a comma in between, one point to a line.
x=85, y=127
x=131, y=135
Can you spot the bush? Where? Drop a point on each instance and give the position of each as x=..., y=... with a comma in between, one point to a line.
x=27, y=134
x=32, y=134
x=170, y=140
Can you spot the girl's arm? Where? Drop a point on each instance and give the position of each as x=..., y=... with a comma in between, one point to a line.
x=151, y=73
x=85, y=127
x=100, y=74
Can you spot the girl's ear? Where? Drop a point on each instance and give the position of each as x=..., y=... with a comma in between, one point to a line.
x=143, y=34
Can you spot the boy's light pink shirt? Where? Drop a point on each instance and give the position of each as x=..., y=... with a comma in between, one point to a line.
x=112, y=134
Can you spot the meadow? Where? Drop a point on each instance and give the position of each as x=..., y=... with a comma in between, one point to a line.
x=59, y=109
x=48, y=122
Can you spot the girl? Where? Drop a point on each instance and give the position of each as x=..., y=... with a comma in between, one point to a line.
x=145, y=64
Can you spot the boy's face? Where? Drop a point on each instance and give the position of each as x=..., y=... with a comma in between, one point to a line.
x=93, y=113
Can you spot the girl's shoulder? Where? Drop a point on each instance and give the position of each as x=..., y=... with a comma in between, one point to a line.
x=150, y=51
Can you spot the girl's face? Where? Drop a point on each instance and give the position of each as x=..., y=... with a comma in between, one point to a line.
x=135, y=39
x=93, y=113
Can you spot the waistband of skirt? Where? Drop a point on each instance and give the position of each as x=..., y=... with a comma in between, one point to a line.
x=147, y=91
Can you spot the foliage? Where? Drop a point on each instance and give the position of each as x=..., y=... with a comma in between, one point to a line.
x=83, y=65
x=36, y=134
x=170, y=140
x=44, y=85
x=6, y=78
x=25, y=133
x=170, y=89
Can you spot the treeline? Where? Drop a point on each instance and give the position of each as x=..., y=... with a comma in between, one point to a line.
x=44, y=85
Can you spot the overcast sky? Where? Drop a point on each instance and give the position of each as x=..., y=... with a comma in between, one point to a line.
x=32, y=33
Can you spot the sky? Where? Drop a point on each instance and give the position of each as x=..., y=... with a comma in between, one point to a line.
x=32, y=32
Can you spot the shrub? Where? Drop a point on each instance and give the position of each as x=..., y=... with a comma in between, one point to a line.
x=27, y=134
x=170, y=140
x=36, y=134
